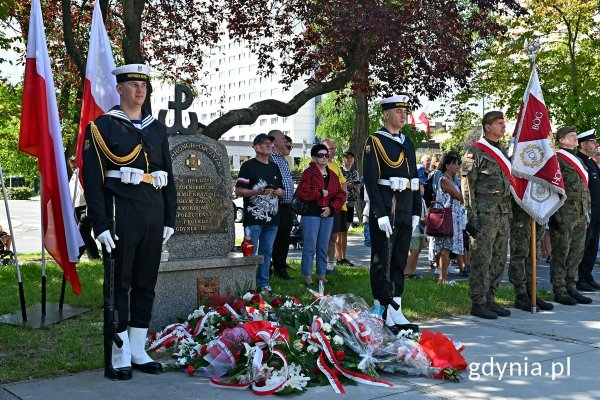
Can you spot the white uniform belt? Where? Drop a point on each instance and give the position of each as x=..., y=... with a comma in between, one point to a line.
x=111, y=173
x=386, y=182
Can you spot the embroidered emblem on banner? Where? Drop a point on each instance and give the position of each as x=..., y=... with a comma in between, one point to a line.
x=532, y=156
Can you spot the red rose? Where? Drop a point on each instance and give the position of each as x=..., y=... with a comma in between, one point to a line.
x=190, y=370
x=203, y=350
x=340, y=355
x=255, y=298
x=276, y=302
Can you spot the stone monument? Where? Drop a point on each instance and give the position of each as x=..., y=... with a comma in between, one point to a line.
x=200, y=258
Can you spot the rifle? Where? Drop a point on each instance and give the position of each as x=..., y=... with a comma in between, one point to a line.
x=111, y=315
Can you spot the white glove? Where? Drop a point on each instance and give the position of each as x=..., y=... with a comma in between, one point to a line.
x=131, y=175
x=159, y=179
x=415, y=221
x=384, y=225
x=395, y=183
x=167, y=232
x=105, y=238
x=414, y=184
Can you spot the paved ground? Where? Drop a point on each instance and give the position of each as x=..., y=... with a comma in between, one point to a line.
x=547, y=355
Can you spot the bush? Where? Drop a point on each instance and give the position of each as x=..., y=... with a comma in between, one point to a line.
x=18, y=193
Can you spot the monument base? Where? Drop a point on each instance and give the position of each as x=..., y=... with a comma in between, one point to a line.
x=179, y=283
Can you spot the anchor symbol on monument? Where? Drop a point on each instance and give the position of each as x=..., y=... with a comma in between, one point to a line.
x=178, y=106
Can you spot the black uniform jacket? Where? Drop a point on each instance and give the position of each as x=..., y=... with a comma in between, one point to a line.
x=121, y=137
x=408, y=202
x=594, y=183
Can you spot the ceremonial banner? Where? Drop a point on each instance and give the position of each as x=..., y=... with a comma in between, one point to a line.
x=99, y=89
x=41, y=137
x=536, y=181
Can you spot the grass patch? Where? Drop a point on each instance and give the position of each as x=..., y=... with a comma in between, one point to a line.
x=76, y=344
x=356, y=230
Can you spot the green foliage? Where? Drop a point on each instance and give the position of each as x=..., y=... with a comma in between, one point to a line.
x=568, y=62
x=18, y=193
x=336, y=116
x=301, y=165
x=464, y=133
x=13, y=161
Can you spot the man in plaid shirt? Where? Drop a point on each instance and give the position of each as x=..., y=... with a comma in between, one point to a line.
x=281, y=245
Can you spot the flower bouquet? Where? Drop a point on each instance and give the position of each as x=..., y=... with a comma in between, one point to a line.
x=276, y=344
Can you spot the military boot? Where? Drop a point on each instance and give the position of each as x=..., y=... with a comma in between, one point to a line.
x=481, y=311
x=581, y=299
x=498, y=309
x=542, y=305
x=523, y=302
x=562, y=297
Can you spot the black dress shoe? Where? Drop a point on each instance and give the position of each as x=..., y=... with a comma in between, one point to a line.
x=118, y=374
x=585, y=287
x=152, y=367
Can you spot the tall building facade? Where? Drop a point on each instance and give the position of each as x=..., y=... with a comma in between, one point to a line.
x=232, y=81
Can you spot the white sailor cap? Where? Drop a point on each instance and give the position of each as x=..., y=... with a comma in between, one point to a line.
x=587, y=135
x=132, y=72
x=397, y=101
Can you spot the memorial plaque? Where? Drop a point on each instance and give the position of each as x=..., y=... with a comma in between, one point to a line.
x=204, y=225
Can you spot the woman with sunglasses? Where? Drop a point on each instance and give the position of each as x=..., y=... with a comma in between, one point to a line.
x=448, y=194
x=320, y=187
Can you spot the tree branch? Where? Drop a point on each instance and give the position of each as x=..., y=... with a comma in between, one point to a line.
x=72, y=49
x=247, y=116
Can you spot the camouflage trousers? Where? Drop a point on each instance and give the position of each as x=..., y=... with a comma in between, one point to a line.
x=488, y=257
x=519, y=268
x=568, y=242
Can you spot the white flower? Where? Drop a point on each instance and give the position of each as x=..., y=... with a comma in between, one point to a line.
x=298, y=345
x=288, y=304
x=197, y=313
x=297, y=380
x=337, y=340
x=326, y=327
x=247, y=296
x=334, y=320
x=181, y=361
x=312, y=348
x=301, y=328
x=249, y=350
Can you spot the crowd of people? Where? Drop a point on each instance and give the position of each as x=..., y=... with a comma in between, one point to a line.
x=395, y=195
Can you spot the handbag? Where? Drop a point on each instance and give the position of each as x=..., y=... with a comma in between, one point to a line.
x=439, y=221
x=299, y=206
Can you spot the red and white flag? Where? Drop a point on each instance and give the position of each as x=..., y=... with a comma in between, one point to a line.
x=41, y=137
x=423, y=118
x=99, y=89
x=536, y=181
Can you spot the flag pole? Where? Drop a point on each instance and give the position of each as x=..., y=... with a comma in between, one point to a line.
x=14, y=247
x=533, y=267
x=43, y=246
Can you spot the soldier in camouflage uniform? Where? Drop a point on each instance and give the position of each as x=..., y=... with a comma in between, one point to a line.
x=519, y=269
x=569, y=224
x=486, y=190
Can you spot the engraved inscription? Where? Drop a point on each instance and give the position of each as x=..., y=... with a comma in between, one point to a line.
x=202, y=205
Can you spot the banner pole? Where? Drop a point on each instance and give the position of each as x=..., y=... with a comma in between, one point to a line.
x=533, y=267
x=43, y=246
x=14, y=247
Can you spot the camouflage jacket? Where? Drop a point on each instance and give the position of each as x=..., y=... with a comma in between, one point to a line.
x=485, y=186
x=578, y=195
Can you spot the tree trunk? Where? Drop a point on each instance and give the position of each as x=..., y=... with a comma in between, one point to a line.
x=360, y=132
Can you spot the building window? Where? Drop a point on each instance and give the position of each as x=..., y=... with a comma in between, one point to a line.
x=242, y=137
x=241, y=56
x=203, y=116
x=241, y=84
x=274, y=92
x=263, y=121
x=222, y=74
x=231, y=72
x=213, y=115
x=251, y=96
x=274, y=120
x=241, y=97
x=231, y=59
x=252, y=137
x=231, y=85
x=252, y=68
x=284, y=119
x=263, y=93
x=286, y=133
x=251, y=81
